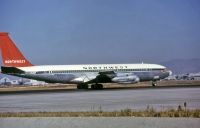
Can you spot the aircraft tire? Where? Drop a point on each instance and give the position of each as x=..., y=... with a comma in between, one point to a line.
x=82, y=86
x=97, y=86
x=154, y=83
x=92, y=86
x=100, y=86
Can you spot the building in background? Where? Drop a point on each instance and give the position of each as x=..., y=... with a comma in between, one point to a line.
x=194, y=76
x=7, y=80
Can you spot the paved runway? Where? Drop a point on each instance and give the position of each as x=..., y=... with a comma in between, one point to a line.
x=98, y=122
x=106, y=100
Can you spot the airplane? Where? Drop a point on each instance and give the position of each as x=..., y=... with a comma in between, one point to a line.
x=85, y=76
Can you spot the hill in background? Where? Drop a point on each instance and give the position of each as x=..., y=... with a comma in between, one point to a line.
x=183, y=66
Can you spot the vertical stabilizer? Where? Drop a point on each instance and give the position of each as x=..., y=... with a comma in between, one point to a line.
x=11, y=55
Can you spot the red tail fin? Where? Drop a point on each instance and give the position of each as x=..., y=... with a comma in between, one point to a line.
x=11, y=55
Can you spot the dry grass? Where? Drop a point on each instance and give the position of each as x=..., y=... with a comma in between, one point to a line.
x=123, y=113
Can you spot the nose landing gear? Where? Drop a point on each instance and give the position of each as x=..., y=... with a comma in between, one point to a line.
x=154, y=83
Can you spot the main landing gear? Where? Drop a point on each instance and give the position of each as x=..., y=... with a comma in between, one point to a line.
x=82, y=86
x=93, y=86
x=97, y=86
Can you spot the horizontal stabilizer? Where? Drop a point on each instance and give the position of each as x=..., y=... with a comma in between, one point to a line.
x=11, y=70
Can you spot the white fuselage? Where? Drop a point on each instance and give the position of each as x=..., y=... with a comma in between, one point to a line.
x=91, y=68
x=85, y=73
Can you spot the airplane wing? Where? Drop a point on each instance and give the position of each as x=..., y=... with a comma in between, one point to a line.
x=103, y=77
x=111, y=76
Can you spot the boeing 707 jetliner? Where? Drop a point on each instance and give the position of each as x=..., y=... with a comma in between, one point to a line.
x=14, y=63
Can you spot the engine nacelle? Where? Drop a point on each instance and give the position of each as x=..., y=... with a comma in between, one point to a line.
x=131, y=79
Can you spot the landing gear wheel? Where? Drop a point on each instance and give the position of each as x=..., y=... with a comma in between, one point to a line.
x=97, y=86
x=100, y=86
x=154, y=83
x=92, y=86
x=82, y=86
x=78, y=86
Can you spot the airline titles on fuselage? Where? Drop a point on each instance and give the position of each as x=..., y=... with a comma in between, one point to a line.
x=14, y=61
x=104, y=67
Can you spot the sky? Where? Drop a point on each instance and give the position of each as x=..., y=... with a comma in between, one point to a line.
x=103, y=31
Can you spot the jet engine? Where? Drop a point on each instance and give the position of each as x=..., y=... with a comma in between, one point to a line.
x=126, y=79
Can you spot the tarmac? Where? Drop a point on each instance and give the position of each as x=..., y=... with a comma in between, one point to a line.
x=96, y=122
x=106, y=100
